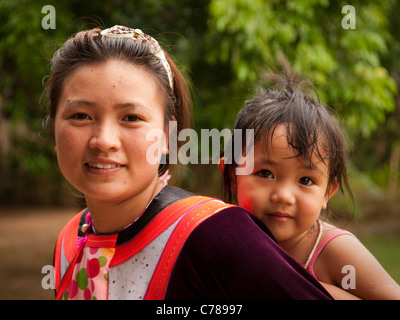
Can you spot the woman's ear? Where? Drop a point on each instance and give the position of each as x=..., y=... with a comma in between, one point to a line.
x=331, y=190
x=165, y=149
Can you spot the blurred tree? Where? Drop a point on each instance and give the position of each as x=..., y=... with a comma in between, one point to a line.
x=355, y=71
x=382, y=151
x=223, y=46
x=26, y=157
x=344, y=64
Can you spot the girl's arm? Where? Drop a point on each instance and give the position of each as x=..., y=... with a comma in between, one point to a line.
x=338, y=293
x=352, y=267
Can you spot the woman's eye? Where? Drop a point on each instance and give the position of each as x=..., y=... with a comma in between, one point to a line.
x=264, y=174
x=80, y=116
x=306, y=181
x=131, y=118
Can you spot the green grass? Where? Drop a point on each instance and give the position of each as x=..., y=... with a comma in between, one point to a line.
x=385, y=248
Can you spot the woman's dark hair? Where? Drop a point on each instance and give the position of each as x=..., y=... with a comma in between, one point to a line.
x=312, y=129
x=88, y=47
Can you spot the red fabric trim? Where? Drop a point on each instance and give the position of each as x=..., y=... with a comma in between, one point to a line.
x=67, y=236
x=102, y=241
x=70, y=236
x=68, y=275
x=157, y=226
x=159, y=281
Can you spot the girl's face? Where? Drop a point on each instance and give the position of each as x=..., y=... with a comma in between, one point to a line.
x=283, y=191
x=103, y=116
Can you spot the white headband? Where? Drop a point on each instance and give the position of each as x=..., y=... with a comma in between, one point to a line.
x=137, y=34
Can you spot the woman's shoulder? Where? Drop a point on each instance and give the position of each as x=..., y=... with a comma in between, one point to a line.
x=232, y=255
x=233, y=223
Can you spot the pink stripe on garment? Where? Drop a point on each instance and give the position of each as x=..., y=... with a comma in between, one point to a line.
x=321, y=246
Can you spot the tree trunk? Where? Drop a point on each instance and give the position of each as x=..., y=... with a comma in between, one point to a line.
x=394, y=169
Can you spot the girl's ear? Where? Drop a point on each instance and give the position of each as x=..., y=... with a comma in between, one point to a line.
x=331, y=190
x=221, y=166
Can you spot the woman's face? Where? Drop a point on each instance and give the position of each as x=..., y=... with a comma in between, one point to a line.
x=103, y=116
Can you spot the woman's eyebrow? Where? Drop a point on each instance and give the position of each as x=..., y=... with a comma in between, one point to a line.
x=80, y=102
x=133, y=104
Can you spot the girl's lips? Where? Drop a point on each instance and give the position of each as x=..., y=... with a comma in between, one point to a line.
x=280, y=216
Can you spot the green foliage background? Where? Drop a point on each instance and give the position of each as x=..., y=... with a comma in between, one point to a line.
x=222, y=47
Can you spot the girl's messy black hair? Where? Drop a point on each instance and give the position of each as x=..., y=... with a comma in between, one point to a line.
x=312, y=129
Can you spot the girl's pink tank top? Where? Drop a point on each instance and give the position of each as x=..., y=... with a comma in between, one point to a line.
x=321, y=246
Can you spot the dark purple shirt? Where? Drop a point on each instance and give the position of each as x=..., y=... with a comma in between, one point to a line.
x=233, y=255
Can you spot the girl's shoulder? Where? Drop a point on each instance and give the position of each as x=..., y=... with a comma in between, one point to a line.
x=335, y=251
x=348, y=264
x=330, y=232
x=335, y=239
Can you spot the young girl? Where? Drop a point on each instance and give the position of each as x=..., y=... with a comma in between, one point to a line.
x=109, y=91
x=299, y=164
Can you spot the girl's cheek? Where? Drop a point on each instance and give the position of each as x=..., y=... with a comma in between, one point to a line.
x=244, y=201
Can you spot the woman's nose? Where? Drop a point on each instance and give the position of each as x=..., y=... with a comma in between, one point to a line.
x=105, y=137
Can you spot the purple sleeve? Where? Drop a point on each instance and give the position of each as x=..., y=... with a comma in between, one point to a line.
x=232, y=255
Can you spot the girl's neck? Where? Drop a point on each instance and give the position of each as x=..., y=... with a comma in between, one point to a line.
x=300, y=247
x=112, y=216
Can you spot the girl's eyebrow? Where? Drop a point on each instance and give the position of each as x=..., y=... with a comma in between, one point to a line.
x=266, y=161
x=304, y=164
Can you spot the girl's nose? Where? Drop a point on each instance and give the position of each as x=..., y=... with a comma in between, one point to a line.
x=105, y=138
x=283, y=193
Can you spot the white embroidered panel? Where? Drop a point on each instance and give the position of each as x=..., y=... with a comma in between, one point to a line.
x=129, y=280
x=63, y=261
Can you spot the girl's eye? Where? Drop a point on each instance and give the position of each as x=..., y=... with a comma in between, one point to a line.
x=264, y=174
x=306, y=181
x=80, y=116
x=131, y=118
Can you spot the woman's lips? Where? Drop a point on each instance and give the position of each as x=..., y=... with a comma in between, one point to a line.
x=102, y=166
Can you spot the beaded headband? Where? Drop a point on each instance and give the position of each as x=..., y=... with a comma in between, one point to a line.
x=137, y=34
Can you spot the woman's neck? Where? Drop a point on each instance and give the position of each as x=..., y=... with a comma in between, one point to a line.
x=112, y=216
